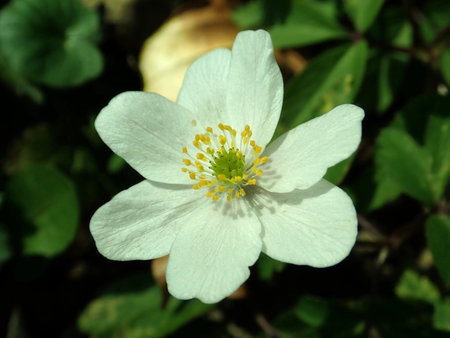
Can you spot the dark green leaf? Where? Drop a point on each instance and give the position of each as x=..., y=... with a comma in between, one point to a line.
x=363, y=12
x=384, y=76
x=434, y=17
x=331, y=79
x=130, y=311
x=292, y=23
x=313, y=311
x=46, y=201
x=415, y=287
x=445, y=65
x=17, y=81
x=51, y=41
x=392, y=26
x=5, y=249
x=398, y=156
x=438, y=238
x=268, y=266
x=336, y=173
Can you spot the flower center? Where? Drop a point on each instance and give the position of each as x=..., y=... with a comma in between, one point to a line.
x=226, y=162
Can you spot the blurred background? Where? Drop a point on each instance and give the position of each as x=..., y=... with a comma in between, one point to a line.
x=61, y=61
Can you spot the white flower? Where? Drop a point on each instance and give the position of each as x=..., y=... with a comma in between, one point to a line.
x=214, y=196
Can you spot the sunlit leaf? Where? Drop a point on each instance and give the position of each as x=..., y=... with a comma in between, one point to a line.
x=52, y=42
x=363, y=12
x=333, y=78
x=46, y=202
x=441, y=317
x=437, y=141
x=415, y=287
x=133, y=308
x=438, y=238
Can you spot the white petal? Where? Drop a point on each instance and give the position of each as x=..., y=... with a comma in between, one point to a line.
x=212, y=252
x=149, y=132
x=204, y=87
x=142, y=221
x=300, y=158
x=255, y=87
x=315, y=227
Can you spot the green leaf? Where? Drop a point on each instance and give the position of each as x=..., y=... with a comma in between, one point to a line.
x=52, y=42
x=398, y=156
x=426, y=118
x=267, y=266
x=313, y=311
x=445, y=65
x=292, y=23
x=433, y=18
x=437, y=141
x=415, y=287
x=333, y=78
x=438, y=238
x=5, y=249
x=363, y=12
x=47, y=203
x=441, y=317
x=384, y=76
x=16, y=81
x=336, y=173
x=392, y=26
x=370, y=192
x=133, y=308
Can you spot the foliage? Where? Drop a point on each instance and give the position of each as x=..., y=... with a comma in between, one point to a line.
x=392, y=58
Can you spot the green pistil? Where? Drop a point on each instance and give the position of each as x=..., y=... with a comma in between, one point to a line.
x=228, y=163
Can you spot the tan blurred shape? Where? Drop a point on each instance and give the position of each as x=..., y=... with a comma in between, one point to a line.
x=167, y=54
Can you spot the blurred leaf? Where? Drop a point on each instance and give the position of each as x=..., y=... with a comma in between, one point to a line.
x=437, y=141
x=438, y=238
x=441, y=317
x=384, y=76
x=336, y=173
x=372, y=191
x=5, y=249
x=415, y=287
x=115, y=164
x=331, y=79
x=392, y=26
x=398, y=156
x=313, y=311
x=249, y=15
x=51, y=41
x=363, y=12
x=267, y=266
x=445, y=65
x=47, y=203
x=434, y=18
x=292, y=23
x=130, y=311
x=16, y=81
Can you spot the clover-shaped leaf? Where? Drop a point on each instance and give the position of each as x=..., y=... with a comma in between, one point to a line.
x=51, y=42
